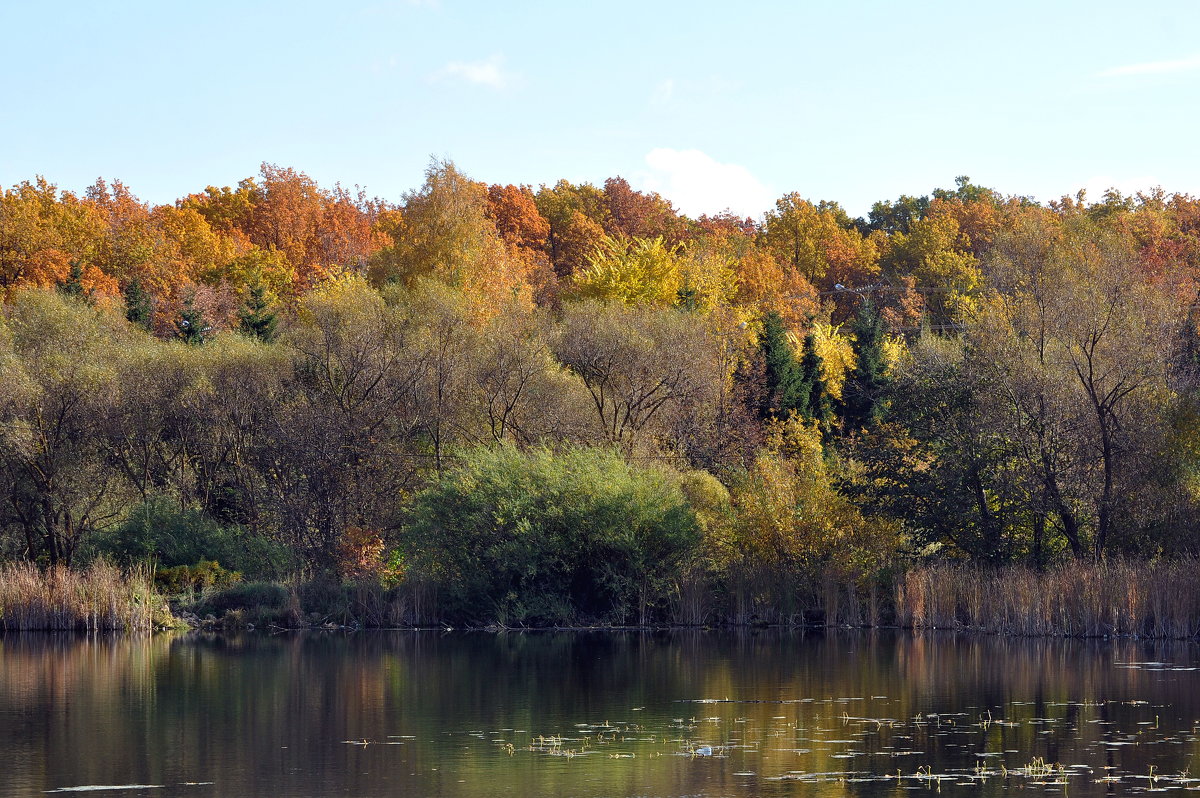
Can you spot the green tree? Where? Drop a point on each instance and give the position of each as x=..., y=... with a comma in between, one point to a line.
x=863, y=394
x=139, y=308
x=812, y=395
x=938, y=465
x=783, y=375
x=58, y=378
x=162, y=532
x=73, y=285
x=257, y=317
x=191, y=327
x=896, y=217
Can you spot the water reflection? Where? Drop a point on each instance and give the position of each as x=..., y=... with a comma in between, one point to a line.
x=541, y=714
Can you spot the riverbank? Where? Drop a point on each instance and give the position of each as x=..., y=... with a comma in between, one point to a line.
x=98, y=598
x=1073, y=599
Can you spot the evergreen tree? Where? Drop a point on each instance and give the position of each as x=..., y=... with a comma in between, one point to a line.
x=138, y=306
x=687, y=298
x=783, y=376
x=863, y=393
x=73, y=285
x=191, y=326
x=256, y=317
x=812, y=394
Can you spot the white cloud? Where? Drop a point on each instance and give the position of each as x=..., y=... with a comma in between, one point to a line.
x=697, y=184
x=482, y=73
x=1154, y=67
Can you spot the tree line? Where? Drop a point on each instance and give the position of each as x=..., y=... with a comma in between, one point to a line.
x=574, y=402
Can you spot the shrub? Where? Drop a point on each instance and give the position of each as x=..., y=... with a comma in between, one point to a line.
x=540, y=537
x=204, y=575
x=160, y=531
x=245, y=596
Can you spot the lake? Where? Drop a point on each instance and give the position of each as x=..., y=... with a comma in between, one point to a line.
x=594, y=714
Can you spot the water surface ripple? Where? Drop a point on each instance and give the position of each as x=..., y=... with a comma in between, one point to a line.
x=594, y=714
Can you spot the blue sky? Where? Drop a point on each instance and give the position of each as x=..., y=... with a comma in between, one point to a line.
x=713, y=104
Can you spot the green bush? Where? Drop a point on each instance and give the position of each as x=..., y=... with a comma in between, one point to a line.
x=204, y=575
x=162, y=532
x=540, y=537
x=247, y=596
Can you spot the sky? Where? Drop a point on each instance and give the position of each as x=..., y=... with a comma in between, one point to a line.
x=714, y=105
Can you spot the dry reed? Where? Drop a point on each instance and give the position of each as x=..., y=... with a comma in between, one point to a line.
x=1074, y=599
x=98, y=598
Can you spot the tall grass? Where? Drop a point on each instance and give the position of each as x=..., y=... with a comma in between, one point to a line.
x=100, y=597
x=1076, y=599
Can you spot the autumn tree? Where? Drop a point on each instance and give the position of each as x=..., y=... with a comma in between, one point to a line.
x=818, y=242
x=446, y=235
x=41, y=233
x=514, y=212
x=57, y=357
x=526, y=233
x=637, y=214
x=631, y=271
x=640, y=365
x=937, y=256
x=577, y=216
x=1077, y=358
x=793, y=529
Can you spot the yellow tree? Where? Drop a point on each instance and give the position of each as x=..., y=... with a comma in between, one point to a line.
x=819, y=242
x=633, y=271
x=936, y=254
x=445, y=235
x=42, y=234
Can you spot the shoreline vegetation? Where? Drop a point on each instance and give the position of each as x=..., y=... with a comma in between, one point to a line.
x=1115, y=598
x=99, y=598
x=485, y=405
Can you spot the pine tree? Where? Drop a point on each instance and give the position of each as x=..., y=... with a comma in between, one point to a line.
x=783, y=376
x=138, y=307
x=73, y=285
x=812, y=394
x=687, y=298
x=256, y=318
x=863, y=394
x=191, y=326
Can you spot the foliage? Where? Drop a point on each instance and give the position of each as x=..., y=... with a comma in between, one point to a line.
x=1011, y=382
x=793, y=528
x=632, y=271
x=543, y=537
x=204, y=575
x=257, y=318
x=863, y=395
x=159, y=531
x=782, y=372
x=191, y=327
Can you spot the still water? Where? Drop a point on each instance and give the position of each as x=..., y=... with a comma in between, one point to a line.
x=594, y=714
